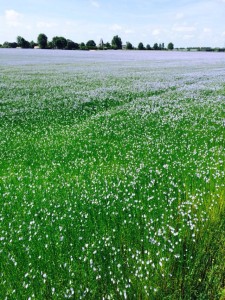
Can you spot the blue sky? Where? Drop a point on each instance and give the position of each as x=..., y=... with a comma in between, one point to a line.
x=183, y=22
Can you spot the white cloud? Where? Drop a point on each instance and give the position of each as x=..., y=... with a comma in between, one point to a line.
x=128, y=31
x=116, y=27
x=179, y=16
x=44, y=25
x=181, y=28
x=95, y=3
x=156, y=32
x=188, y=36
x=13, y=18
x=207, y=30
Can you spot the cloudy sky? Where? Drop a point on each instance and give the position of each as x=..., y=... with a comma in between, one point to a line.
x=183, y=22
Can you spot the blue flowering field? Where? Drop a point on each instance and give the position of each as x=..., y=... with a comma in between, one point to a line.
x=112, y=175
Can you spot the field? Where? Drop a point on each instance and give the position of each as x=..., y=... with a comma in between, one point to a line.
x=112, y=175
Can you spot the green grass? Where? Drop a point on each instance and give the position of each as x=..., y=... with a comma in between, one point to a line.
x=112, y=185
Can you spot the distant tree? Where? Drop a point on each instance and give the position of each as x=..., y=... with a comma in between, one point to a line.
x=13, y=45
x=160, y=46
x=59, y=42
x=9, y=45
x=42, y=41
x=116, y=42
x=91, y=44
x=170, y=46
x=108, y=45
x=50, y=45
x=6, y=45
x=82, y=46
x=129, y=46
x=101, y=44
x=163, y=46
x=22, y=42
x=71, y=45
x=155, y=46
x=33, y=44
x=26, y=44
x=148, y=47
x=141, y=46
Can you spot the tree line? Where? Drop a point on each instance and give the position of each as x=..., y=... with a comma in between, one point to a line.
x=59, y=42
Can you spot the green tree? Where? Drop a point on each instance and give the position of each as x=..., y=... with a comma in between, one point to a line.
x=59, y=42
x=170, y=46
x=6, y=45
x=108, y=45
x=129, y=46
x=101, y=44
x=141, y=46
x=26, y=44
x=32, y=44
x=42, y=41
x=9, y=45
x=71, y=45
x=22, y=42
x=148, y=47
x=116, y=42
x=91, y=44
x=50, y=45
x=82, y=46
x=156, y=46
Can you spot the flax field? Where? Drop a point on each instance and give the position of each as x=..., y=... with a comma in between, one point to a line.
x=112, y=175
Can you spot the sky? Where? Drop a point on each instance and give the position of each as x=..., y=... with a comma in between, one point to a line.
x=185, y=23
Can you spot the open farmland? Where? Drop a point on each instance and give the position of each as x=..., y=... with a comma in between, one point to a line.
x=112, y=175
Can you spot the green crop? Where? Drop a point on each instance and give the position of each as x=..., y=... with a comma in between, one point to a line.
x=112, y=179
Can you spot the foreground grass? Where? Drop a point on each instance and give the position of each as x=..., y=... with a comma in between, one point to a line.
x=112, y=182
